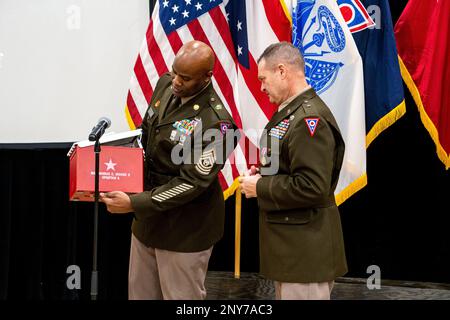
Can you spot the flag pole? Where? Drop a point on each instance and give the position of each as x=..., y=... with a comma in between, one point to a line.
x=237, y=234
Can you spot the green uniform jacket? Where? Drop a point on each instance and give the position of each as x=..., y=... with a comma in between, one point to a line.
x=301, y=238
x=182, y=208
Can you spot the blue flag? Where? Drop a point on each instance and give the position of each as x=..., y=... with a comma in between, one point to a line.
x=384, y=98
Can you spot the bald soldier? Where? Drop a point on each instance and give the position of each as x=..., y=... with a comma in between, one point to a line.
x=180, y=215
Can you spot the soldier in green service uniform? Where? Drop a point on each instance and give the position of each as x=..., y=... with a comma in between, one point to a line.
x=301, y=241
x=180, y=215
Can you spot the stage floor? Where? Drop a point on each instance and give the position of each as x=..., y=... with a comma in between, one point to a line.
x=251, y=286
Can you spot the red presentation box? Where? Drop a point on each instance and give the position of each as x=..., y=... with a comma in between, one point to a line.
x=121, y=169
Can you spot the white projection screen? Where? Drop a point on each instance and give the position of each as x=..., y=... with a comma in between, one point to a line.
x=64, y=64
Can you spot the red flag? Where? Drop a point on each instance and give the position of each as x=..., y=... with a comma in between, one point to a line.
x=423, y=42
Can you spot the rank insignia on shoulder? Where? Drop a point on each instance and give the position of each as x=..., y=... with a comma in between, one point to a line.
x=312, y=123
x=157, y=103
x=224, y=127
x=218, y=107
x=280, y=129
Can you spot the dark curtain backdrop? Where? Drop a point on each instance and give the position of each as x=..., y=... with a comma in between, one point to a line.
x=399, y=222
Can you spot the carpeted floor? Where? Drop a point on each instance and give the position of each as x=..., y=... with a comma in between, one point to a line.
x=250, y=286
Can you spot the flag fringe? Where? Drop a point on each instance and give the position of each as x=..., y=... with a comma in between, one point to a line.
x=286, y=11
x=385, y=122
x=429, y=125
x=231, y=189
x=351, y=189
x=129, y=119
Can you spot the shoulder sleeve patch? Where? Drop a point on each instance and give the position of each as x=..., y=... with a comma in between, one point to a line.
x=225, y=126
x=312, y=123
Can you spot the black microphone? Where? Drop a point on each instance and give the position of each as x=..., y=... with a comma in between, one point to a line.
x=99, y=129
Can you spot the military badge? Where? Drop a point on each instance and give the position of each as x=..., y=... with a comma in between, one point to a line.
x=206, y=162
x=182, y=139
x=262, y=158
x=173, y=192
x=280, y=129
x=196, y=107
x=311, y=123
x=186, y=126
x=157, y=103
x=224, y=126
x=173, y=135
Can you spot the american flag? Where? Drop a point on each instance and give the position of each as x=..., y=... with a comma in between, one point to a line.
x=238, y=31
